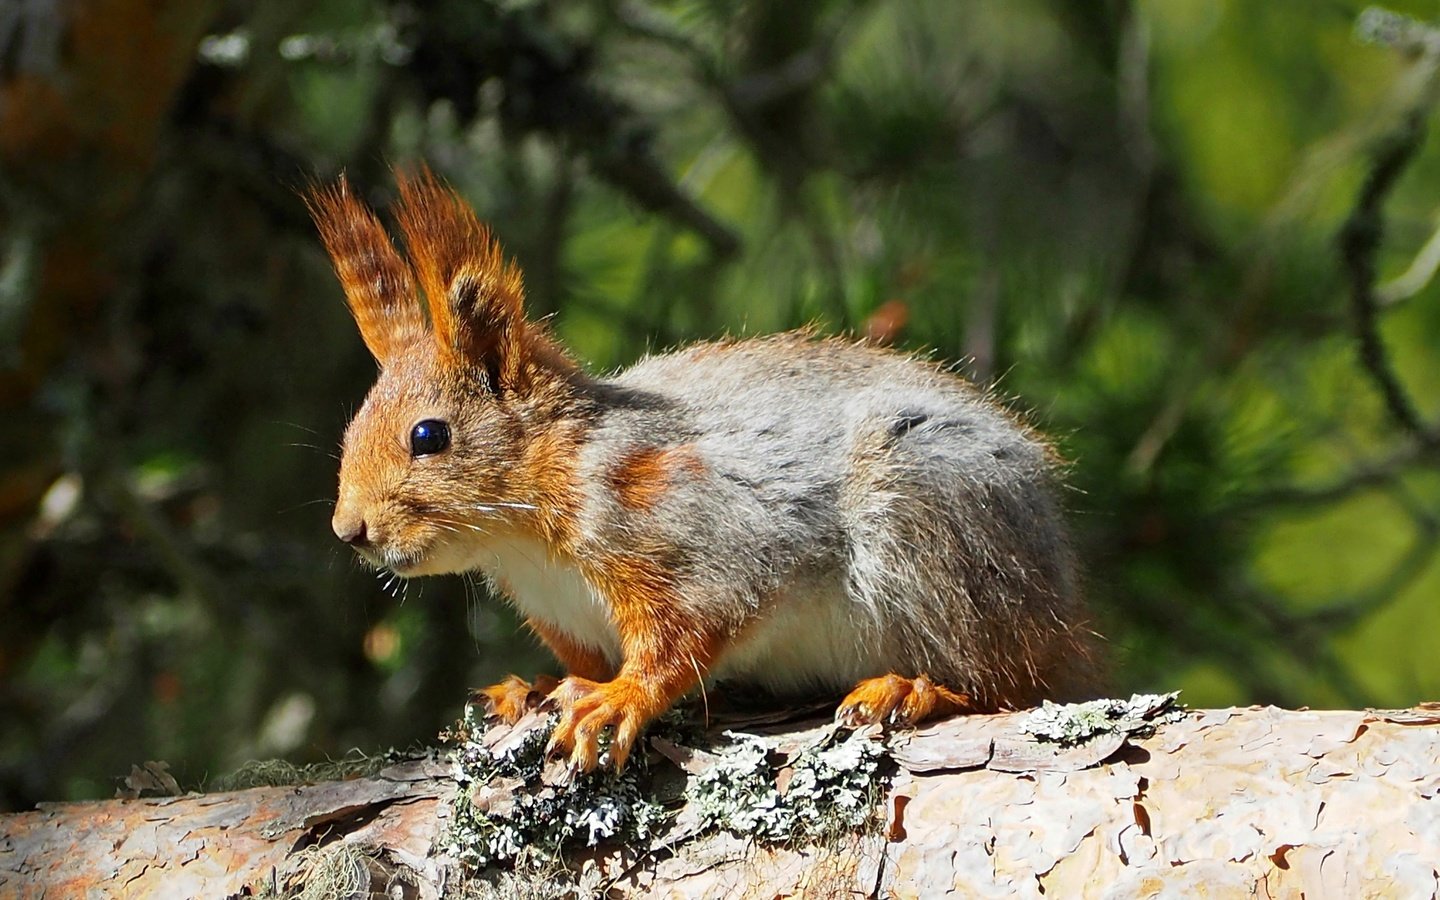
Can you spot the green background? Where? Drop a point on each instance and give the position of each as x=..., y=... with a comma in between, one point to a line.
x=1124, y=215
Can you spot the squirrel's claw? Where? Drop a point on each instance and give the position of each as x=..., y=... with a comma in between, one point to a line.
x=896, y=700
x=587, y=708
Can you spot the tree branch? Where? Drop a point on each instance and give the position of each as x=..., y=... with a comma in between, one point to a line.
x=1360, y=236
x=976, y=806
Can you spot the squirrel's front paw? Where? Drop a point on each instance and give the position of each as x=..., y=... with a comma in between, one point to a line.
x=587, y=708
x=512, y=698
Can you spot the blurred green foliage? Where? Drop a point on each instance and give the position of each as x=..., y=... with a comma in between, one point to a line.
x=1122, y=214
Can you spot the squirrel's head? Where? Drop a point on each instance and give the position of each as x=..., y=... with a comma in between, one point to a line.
x=441, y=455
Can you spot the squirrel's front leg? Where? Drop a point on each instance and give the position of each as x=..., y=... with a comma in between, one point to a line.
x=667, y=650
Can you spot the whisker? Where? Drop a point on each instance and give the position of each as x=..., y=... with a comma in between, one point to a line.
x=472, y=606
x=499, y=505
x=490, y=508
x=704, y=697
x=456, y=524
x=295, y=425
x=290, y=509
x=334, y=456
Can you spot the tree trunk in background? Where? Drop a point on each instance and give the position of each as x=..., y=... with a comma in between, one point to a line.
x=1235, y=802
x=81, y=118
x=79, y=132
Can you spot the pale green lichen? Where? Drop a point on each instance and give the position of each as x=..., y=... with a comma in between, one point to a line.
x=1074, y=723
x=535, y=819
x=506, y=817
x=824, y=789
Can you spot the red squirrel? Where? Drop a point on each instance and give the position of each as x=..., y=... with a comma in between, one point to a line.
x=795, y=513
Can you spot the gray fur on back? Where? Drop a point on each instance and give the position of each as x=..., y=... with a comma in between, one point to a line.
x=855, y=512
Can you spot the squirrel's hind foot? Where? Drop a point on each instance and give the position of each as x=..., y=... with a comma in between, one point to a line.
x=896, y=700
x=512, y=698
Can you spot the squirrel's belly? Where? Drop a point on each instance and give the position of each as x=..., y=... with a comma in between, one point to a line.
x=543, y=586
x=815, y=639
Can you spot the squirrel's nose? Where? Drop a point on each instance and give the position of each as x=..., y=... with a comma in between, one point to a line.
x=350, y=530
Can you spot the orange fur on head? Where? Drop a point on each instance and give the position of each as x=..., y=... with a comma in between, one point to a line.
x=379, y=287
x=475, y=298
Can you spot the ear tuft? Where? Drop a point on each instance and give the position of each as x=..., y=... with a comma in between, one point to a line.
x=476, y=299
x=378, y=284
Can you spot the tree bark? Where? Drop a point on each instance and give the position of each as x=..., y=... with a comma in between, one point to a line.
x=1234, y=802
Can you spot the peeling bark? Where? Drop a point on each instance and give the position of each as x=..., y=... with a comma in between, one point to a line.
x=1235, y=802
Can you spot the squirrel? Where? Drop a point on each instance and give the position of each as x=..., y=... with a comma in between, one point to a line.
x=795, y=513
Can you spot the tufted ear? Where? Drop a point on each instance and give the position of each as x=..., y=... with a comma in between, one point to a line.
x=476, y=299
x=379, y=288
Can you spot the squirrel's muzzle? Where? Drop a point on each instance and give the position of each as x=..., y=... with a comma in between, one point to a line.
x=350, y=529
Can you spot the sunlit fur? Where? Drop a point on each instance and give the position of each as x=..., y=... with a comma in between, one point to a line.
x=377, y=282
x=794, y=513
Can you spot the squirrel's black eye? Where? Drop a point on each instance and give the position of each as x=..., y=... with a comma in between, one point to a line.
x=429, y=436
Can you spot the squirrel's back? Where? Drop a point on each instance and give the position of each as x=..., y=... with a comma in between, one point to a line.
x=854, y=510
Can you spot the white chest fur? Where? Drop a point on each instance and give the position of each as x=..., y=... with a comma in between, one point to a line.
x=545, y=587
